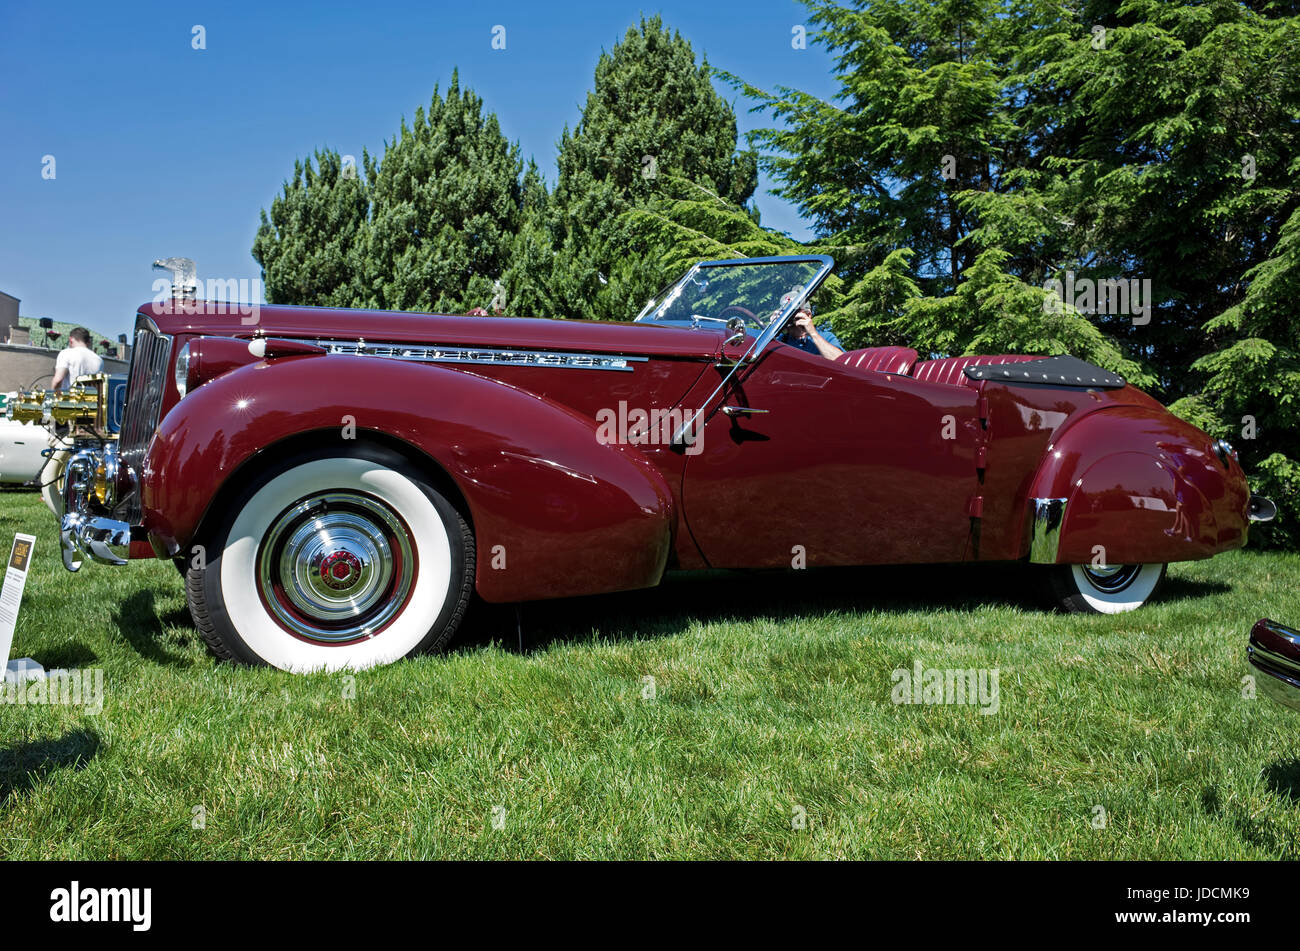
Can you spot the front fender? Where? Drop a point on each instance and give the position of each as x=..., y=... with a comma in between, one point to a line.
x=555, y=512
x=1142, y=486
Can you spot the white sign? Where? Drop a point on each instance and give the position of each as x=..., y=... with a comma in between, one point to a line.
x=11, y=596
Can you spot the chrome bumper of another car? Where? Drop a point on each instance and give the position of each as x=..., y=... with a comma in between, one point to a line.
x=1274, y=651
x=82, y=531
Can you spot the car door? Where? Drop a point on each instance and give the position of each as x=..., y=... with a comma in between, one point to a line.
x=808, y=459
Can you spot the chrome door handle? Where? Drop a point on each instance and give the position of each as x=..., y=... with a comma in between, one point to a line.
x=741, y=410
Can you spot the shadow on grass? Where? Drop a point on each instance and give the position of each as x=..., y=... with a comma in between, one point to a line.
x=24, y=765
x=1258, y=828
x=685, y=597
x=75, y=654
x=140, y=626
x=688, y=597
x=1184, y=589
x=1283, y=777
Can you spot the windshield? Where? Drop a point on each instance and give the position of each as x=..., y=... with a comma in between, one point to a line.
x=759, y=291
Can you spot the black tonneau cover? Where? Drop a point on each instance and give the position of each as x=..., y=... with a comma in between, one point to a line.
x=1063, y=370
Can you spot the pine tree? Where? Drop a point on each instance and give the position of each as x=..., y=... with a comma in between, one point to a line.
x=653, y=111
x=309, y=246
x=431, y=226
x=1251, y=390
x=527, y=280
x=981, y=148
x=446, y=203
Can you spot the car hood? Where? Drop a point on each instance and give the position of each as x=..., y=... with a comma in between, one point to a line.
x=380, y=326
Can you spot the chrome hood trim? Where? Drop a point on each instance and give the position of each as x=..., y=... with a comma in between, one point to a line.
x=484, y=356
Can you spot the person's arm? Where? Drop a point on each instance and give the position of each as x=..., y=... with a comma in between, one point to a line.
x=824, y=346
x=827, y=349
x=60, y=371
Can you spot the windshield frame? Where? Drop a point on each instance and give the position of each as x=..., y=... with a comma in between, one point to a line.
x=761, y=341
x=663, y=297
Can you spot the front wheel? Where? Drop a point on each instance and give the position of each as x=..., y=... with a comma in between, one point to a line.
x=332, y=562
x=1102, y=589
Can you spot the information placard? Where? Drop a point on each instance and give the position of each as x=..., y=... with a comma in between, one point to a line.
x=11, y=595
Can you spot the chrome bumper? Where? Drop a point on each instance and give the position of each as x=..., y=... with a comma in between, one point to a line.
x=81, y=531
x=1274, y=651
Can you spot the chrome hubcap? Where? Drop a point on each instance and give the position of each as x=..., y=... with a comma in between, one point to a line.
x=336, y=567
x=1111, y=578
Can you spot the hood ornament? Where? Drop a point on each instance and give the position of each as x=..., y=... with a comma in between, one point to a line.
x=185, y=285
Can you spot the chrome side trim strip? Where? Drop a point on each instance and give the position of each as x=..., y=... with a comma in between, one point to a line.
x=1045, y=518
x=485, y=356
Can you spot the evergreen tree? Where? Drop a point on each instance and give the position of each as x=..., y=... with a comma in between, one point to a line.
x=653, y=111
x=527, y=282
x=431, y=226
x=309, y=247
x=980, y=148
x=1251, y=390
x=445, y=207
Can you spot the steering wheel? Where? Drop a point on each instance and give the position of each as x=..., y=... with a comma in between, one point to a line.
x=745, y=314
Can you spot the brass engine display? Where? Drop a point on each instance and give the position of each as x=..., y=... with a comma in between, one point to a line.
x=84, y=405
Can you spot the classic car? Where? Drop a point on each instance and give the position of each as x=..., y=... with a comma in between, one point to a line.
x=22, y=451
x=334, y=485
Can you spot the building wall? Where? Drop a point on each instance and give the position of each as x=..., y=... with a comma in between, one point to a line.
x=21, y=367
x=8, y=314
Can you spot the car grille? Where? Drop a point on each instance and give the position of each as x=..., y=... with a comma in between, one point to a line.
x=144, y=395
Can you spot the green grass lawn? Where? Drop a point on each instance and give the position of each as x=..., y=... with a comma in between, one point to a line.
x=771, y=696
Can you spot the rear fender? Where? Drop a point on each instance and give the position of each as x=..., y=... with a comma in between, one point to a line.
x=1140, y=486
x=554, y=511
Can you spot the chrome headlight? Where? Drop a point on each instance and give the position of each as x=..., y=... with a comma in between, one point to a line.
x=182, y=372
x=1223, y=449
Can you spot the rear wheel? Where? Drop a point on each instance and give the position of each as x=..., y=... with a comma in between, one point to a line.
x=1103, y=589
x=331, y=562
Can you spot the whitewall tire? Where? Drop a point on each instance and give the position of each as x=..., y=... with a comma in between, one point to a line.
x=1109, y=589
x=332, y=562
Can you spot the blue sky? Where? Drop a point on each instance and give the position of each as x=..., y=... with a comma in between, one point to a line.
x=163, y=150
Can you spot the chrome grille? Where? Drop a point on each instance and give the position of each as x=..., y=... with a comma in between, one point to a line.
x=144, y=395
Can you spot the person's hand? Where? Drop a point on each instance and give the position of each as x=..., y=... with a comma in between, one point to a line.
x=804, y=321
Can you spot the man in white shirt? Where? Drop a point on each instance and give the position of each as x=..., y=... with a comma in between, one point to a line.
x=76, y=359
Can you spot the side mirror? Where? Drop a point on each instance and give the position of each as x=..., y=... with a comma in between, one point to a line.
x=735, y=331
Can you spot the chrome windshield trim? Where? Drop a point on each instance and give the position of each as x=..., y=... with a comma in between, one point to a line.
x=484, y=356
x=773, y=327
x=825, y=260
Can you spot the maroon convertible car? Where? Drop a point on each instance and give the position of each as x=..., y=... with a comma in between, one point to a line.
x=335, y=485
